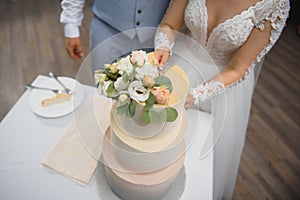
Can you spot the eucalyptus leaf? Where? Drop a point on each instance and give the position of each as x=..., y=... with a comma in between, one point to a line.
x=125, y=77
x=111, y=91
x=171, y=114
x=150, y=102
x=110, y=88
x=163, y=115
x=111, y=76
x=150, y=116
x=122, y=109
x=132, y=107
x=153, y=116
x=164, y=81
x=146, y=117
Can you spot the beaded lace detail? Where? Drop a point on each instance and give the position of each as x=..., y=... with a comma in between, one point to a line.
x=162, y=42
x=228, y=36
x=206, y=91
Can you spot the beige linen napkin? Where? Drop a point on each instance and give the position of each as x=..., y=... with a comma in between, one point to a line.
x=76, y=153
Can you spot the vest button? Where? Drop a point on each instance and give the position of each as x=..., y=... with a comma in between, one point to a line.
x=139, y=11
x=137, y=23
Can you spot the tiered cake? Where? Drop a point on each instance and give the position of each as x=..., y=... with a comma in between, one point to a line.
x=142, y=160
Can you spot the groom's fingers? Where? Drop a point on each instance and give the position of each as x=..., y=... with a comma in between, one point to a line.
x=73, y=47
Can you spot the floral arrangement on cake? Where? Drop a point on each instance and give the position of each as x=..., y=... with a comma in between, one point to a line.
x=136, y=79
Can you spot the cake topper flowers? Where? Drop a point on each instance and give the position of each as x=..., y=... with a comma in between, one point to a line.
x=135, y=79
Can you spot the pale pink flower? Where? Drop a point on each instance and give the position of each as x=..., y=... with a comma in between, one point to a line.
x=161, y=94
x=138, y=57
x=148, y=81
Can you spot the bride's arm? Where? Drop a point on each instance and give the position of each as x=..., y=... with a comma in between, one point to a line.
x=258, y=44
x=167, y=30
x=237, y=68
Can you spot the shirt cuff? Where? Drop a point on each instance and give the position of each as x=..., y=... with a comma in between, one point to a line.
x=71, y=31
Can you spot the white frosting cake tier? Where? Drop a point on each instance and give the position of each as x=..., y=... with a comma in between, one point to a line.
x=136, y=186
x=157, y=143
x=149, y=154
x=137, y=128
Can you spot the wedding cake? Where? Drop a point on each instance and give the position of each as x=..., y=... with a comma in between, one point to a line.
x=144, y=148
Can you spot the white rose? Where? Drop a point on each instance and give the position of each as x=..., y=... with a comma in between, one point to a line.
x=120, y=84
x=113, y=68
x=147, y=70
x=137, y=92
x=123, y=98
x=125, y=65
x=100, y=78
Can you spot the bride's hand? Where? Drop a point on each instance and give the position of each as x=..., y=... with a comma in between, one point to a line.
x=162, y=56
x=189, y=101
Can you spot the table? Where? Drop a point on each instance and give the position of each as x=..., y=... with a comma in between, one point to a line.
x=25, y=138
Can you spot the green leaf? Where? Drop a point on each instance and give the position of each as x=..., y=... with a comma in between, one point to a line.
x=122, y=109
x=164, y=81
x=125, y=77
x=171, y=114
x=132, y=107
x=110, y=88
x=111, y=76
x=163, y=115
x=134, y=70
x=111, y=91
x=146, y=117
x=153, y=116
x=150, y=116
x=99, y=71
x=150, y=102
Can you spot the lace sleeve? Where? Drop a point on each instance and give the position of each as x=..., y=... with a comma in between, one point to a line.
x=276, y=14
x=170, y=25
x=162, y=41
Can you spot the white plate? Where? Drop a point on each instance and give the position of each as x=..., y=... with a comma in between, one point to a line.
x=56, y=110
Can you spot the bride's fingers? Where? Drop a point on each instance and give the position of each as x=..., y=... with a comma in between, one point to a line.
x=189, y=101
x=158, y=55
x=187, y=104
x=164, y=59
x=162, y=56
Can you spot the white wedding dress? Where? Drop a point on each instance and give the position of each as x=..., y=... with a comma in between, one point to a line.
x=229, y=105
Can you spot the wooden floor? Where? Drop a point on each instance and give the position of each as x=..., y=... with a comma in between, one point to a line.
x=32, y=43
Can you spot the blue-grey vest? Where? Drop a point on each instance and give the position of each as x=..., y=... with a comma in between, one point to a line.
x=125, y=15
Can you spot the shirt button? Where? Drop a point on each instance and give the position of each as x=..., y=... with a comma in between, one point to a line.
x=137, y=23
x=139, y=11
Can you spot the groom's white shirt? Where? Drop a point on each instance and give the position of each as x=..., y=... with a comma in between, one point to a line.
x=121, y=15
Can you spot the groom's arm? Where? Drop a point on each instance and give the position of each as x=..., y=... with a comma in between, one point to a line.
x=71, y=17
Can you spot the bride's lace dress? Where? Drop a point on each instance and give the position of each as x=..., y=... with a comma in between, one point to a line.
x=231, y=34
x=230, y=102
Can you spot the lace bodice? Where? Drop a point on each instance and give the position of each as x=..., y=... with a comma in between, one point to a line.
x=231, y=34
x=225, y=39
x=228, y=36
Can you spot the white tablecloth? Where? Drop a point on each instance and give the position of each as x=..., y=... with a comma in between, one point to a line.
x=25, y=138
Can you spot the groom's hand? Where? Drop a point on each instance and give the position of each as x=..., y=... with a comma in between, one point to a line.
x=162, y=56
x=74, y=48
